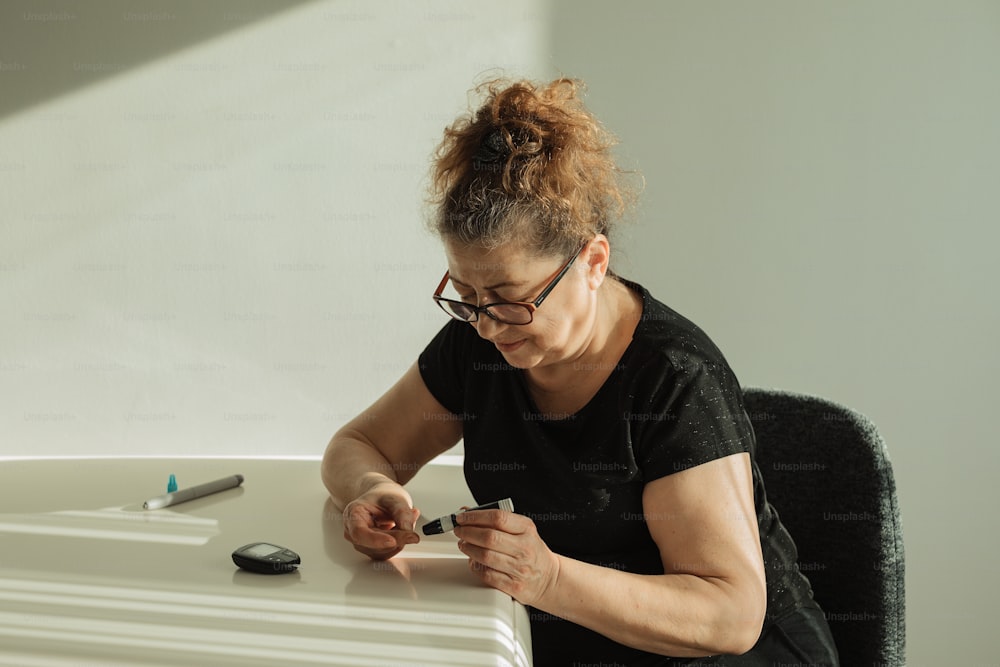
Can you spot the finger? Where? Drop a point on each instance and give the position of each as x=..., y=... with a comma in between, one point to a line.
x=364, y=513
x=490, y=540
x=496, y=560
x=403, y=524
x=406, y=517
x=492, y=577
x=361, y=516
x=383, y=538
x=507, y=522
x=399, y=510
x=366, y=526
x=380, y=544
x=370, y=538
x=386, y=544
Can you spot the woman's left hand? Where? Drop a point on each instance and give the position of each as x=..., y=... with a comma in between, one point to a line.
x=506, y=552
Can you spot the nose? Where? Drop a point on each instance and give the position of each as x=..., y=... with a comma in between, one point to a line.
x=487, y=327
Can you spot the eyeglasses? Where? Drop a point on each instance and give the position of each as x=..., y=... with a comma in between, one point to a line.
x=507, y=312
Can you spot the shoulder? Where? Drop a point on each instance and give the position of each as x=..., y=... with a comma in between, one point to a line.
x=686, y=404
x=665, y=338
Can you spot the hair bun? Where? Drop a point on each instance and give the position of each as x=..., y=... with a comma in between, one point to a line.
x=529, y=152
x=500, y=143
x=493, y=151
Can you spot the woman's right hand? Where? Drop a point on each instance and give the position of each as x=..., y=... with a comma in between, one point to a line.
x=381, y=522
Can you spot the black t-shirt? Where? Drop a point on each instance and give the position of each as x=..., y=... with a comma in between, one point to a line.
x=671, y=403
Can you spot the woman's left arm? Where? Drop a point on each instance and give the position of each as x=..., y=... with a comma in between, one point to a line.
x=711, y=598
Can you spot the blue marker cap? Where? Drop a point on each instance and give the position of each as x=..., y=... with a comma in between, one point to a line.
x=171, y=484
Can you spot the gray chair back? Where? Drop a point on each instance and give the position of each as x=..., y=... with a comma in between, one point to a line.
x=826, y=471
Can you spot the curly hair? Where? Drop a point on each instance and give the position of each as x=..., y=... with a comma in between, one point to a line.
x=531, y=165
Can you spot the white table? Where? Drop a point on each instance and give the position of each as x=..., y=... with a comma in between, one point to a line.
x=88, y=577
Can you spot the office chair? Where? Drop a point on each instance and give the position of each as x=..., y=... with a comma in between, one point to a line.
x=826, y=471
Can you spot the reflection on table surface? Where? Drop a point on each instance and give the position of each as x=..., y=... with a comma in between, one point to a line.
x=88, y=577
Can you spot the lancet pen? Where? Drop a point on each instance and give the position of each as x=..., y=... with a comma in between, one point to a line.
x=448, y=522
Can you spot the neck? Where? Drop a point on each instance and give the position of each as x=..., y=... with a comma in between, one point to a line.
x=616, y=313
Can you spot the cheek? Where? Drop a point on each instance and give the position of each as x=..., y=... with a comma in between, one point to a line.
x=554, y=330
x=571, y=311
x=559, y=321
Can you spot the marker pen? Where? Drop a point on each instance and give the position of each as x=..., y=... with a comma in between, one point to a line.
x=448, y=522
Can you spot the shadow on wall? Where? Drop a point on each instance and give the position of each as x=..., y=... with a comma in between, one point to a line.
x=54, y=48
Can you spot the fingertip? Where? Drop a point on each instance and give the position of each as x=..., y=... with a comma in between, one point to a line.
x=408, y=520
x=377, y=539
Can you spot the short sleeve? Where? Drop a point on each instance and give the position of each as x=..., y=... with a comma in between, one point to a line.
x=442, y=365
x=694, y=416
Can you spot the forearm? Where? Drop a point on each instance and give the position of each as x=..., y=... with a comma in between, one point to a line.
x=679, y=615
x=351, y=466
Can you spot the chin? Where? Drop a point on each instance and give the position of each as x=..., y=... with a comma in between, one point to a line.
x=529, y=354
x=520, y=361
x=519, y=357
x=525, y=359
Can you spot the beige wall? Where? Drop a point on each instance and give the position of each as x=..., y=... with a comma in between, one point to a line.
x=823, y=196
x=211, y=213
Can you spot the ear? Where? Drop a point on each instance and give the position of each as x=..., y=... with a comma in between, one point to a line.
x=596, y=258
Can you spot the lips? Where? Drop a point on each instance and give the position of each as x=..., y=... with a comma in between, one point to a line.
x=509, y=347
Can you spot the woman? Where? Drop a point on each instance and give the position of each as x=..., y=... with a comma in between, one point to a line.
x=615, y=424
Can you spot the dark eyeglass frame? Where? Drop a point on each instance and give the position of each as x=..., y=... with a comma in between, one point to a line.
x=530, y=306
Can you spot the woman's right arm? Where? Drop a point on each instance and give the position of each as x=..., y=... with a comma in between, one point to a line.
x=370, y=458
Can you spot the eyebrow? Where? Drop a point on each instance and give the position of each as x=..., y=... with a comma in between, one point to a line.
x=489, y=288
